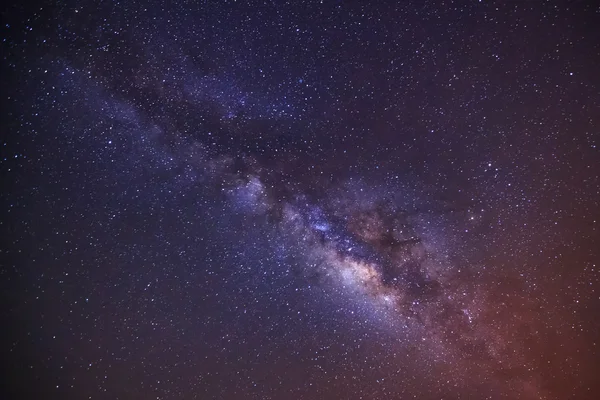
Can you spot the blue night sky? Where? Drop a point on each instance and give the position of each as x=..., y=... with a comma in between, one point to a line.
x=300, y=200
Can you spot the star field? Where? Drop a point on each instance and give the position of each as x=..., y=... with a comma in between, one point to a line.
x=300, y=200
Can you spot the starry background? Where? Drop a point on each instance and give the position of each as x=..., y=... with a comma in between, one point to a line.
x=303, y=200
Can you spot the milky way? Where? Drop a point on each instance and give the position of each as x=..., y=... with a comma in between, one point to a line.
x=365, y=243
x=300, y=200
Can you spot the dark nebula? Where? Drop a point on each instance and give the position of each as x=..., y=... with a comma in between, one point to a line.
x=300, y=200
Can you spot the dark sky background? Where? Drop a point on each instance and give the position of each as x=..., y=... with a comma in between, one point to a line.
x=300, y=200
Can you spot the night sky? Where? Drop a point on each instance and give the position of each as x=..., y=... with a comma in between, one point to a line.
x=300, y=200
